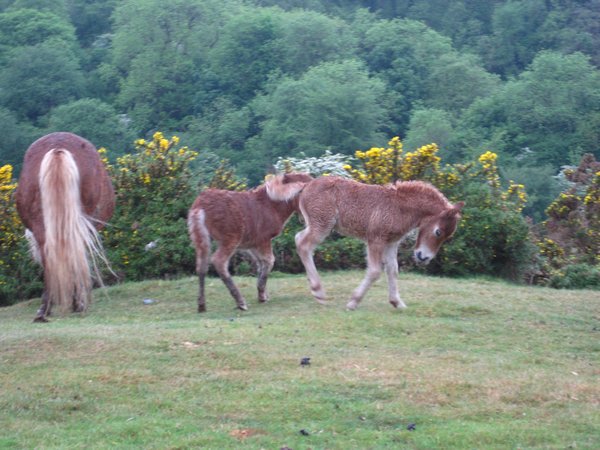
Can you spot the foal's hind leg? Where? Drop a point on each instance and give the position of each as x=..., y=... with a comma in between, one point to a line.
x=79, y=303
x=306, y=242
x=390, y=260
x=220, y=260
x=265, y=261
x=202, y=256
x=374, y=263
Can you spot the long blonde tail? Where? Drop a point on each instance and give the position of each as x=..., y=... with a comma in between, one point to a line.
x=72, y=243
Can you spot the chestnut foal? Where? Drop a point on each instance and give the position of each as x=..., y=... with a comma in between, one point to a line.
x=241, y=220
x=381, y=216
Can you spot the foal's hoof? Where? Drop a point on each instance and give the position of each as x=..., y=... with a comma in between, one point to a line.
x=201, y=308
x=398, y=304
x=40, y=319
x=351, y=305
x=242, y=307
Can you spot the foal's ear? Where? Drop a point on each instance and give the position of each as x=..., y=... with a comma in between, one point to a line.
x=458, y=206
x=455, y=210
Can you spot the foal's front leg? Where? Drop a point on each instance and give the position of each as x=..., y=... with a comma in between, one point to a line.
x=390, y=260
x=374, y=263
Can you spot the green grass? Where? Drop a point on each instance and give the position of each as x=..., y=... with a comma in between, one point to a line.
x=471, y=363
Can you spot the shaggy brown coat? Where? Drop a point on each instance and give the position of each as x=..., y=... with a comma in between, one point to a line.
x=240, y=220
x=379, y=215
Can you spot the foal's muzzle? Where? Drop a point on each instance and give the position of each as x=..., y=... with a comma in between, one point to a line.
x=420, y=258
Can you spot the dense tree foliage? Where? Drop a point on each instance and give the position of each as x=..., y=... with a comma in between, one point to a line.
x=252, y=80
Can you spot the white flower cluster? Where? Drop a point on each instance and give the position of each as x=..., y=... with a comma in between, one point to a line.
x=326, y=164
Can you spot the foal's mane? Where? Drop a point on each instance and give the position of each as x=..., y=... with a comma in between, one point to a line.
x=421, y=189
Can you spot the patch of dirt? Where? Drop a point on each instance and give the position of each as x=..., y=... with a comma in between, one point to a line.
x=245, y=433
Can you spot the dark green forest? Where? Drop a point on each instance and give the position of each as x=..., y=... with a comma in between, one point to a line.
x=252, y=81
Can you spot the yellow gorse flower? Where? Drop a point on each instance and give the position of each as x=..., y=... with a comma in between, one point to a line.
x=156, y=162
x=516, y=194
x=6, y=184
x=385, y=165
x=489, y=168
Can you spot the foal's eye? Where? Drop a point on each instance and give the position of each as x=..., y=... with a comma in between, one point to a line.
x=438, y=232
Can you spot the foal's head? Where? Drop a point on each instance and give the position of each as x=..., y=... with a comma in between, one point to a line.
x=287, y=186
x=434, y=231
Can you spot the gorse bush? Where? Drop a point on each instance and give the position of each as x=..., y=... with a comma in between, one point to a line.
x=147, y=236
x=569, y=239
x=576, y=276
x=20, y=277
x=490, y=239
x=574, y=217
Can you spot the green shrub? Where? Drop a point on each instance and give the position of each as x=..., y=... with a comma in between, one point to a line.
x=20, y=276
x=576, y=276
x=147, y=236
x=488, y=241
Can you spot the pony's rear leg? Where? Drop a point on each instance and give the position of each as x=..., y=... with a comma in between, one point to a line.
x=265, y=261
x=390, y=260
x=374, y=263
x=79, y=304
x=44, y=311
x=220, y=260
x=202, y=256
x=306, y=242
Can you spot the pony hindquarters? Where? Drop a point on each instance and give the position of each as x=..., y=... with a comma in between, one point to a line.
x=71, y=242
x=215, y=216
x=201, y=241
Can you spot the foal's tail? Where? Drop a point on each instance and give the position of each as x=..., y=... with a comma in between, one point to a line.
x=200, y=238
x=286, y=187
x=72, y=244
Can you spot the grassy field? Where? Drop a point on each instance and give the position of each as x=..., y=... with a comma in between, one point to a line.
x=470, y=364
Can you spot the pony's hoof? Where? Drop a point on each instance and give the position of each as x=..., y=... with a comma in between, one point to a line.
x=40, y=319
x=351, y=306
x=242, y=307
x=201, y=308
x=263, y=299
